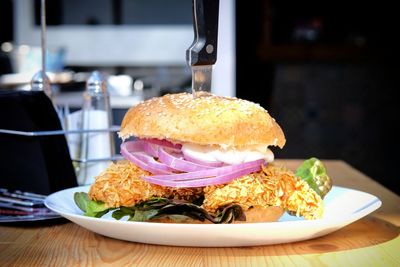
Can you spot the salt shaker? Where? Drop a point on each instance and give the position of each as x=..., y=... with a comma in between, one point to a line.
x=41, y=82
x=96, y=114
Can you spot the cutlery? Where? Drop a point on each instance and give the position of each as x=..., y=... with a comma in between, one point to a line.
x=23, y=196
x=19, y=206
x=10, y=209
x=17, y=201
x=202, y=54
x=30, y=194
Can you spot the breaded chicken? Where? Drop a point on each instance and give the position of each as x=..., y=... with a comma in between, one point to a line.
x=120, y=185
x=273, y=186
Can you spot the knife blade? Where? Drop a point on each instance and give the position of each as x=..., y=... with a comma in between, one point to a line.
x=201, y=78
x=16, y=201
x=202, y=54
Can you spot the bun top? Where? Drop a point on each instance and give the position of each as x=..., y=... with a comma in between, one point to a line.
x=205, y=120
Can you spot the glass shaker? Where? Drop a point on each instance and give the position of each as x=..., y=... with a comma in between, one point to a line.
x=96, y=146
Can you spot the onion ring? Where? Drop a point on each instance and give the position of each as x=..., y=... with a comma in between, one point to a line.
x=178, y=163
x=148, y=164
x=221, y=179
x=202, y=162
x=143, y=153
x=209, y=173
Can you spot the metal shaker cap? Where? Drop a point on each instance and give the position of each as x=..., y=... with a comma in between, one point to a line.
x=96, y=84
x=41, y=82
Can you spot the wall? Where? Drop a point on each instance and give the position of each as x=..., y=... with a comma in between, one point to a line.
x=340, y=111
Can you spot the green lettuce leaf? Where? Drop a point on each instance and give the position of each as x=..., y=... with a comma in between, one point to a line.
x=122, y=212
x=177, y=210
x=81, y=200
x=314, y=173
x=90, y=208
x=143, y=215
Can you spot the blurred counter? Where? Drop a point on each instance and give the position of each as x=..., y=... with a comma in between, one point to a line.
x=74, y=100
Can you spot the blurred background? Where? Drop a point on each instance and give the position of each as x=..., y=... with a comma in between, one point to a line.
x=328, y=71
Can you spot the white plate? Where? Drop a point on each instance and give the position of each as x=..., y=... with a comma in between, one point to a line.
x=342, y=207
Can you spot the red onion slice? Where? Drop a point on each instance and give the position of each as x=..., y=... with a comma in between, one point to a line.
x=133, y=145
x=151, y=149
x=221, y=179
x=163, y=143
x=209, y=173
x=142, y=154
x=152, y=162
x=202, y=162
x=131, y=151
x=178, y=163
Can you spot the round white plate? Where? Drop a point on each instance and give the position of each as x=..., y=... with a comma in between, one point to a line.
x=342, y=207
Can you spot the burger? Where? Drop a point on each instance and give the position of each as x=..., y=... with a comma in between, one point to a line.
x=203, y=160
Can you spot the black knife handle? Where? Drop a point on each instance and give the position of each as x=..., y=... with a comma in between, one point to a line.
x=203, y=50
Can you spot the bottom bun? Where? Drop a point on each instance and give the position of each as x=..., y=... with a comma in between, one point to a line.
x=253, y=215
x=269, y=214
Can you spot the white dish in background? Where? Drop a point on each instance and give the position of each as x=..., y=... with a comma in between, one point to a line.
x=342, y=207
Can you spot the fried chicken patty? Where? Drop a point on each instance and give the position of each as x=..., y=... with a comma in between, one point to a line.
x=272, y=186
x=120, y=185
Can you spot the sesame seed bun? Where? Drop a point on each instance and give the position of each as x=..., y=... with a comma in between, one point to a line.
x=206, y=120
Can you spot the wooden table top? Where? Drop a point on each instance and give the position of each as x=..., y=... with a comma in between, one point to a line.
x=372, y=241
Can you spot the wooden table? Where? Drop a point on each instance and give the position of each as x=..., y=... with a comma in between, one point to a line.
x=371, y=241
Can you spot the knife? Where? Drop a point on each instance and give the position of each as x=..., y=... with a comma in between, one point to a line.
x=202, y=54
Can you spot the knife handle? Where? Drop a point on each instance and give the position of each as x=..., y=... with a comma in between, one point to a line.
x=203, y=50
